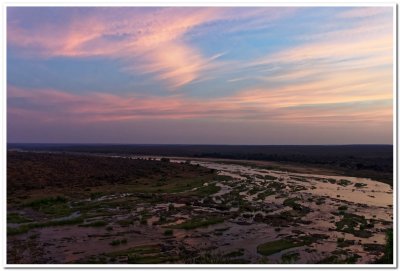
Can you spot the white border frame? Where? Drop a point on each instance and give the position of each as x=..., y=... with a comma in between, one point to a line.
x=196, y=3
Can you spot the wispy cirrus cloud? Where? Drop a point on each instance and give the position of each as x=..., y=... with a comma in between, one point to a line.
x=350, y=65
x=364, y=12
x=153, y=39
x=153, y=42
x=299, y=67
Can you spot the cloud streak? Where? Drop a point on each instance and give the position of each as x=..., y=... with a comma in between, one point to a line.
x=292, y=67
x=57, y=106
x=150, y=42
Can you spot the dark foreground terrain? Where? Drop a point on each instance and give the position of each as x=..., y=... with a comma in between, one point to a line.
x=370, y=161
x=76, y=208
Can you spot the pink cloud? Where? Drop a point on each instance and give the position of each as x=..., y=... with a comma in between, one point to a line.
x=144, y=42
x=252, y=105
x=155, y=41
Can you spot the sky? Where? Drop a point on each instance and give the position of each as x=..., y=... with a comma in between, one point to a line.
x=200, y=75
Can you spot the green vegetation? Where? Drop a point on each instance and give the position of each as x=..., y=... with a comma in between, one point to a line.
x=344, y=182
x=74, y=174
x=236, y=253
x=17, y=218
x=276, y=185
x=291, y=202
x=37, y=204
x=354, y=224
x=96, y=195
x=290, y=257
x=148, y=254
x=360, y=185
x=332, y=181
x=54, y=206
x=205, y=190
x=264, y=260
x=264, y=194
x=147, y=259
x=320, y=201
x=370, y=161
x=269, y=177
x=215, y=258
x=276, y=246
x=388, y=254
x=299, y=179
x=146, y=249
x=150, y=194
x=340, y=257
x=118, y=242
x=341, y=242
x=26, y=227
x=198, y=222
x=298, y=209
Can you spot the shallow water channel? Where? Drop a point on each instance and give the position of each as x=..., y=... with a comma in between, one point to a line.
x=336, y=218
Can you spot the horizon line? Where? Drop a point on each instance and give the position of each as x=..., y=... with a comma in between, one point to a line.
x=197, y=144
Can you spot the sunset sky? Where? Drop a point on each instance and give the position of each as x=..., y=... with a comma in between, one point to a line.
x=197, y=75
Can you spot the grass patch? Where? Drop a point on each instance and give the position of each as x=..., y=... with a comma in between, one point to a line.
x=54, y=206
x=17, y=218
x=26, y=227
x=146, y=249
x=206, y=190
x=198, y=222
x=46, y=202
x=276, y=246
